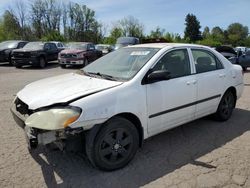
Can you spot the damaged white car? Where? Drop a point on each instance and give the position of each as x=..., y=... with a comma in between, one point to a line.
x=127, y=96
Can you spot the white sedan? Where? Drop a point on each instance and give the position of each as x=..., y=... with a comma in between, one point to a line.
x=128, y=96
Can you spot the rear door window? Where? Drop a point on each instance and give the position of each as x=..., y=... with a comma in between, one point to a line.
x=205, y=61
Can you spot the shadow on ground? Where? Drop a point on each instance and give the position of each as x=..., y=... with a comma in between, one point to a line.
x=161, y=154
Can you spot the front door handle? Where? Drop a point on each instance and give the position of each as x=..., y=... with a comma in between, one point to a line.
x=191, y=82
x=222, y=75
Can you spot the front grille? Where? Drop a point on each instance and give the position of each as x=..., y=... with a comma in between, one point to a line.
x=21, y=107
x=68, y=55
x=21, y=54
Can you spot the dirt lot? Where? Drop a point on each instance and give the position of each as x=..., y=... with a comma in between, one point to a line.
x=203, y=153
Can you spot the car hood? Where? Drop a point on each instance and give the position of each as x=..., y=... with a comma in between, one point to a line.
x=62, y=89
x=26, y=50
x=71, y=51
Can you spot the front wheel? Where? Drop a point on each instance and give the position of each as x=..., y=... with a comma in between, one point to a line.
x=114, y=146
x=42, y=62
x=226, y=106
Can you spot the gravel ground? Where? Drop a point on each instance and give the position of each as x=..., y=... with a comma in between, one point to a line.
x=203, y=153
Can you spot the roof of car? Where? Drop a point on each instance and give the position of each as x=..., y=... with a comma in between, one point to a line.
x=162, y=45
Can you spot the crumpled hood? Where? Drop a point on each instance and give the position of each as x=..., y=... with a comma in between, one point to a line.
x=72, y=51
x=61, y=89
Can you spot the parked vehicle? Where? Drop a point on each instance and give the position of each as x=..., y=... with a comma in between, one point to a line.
x=7, y=47
x=78, y=53
x=126, y=41
x=35, y=54
x=127, y=96
x=105, y=48
x=243, y=59
x=59, y=45
x=226, y=51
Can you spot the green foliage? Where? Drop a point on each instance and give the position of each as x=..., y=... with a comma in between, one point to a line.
x=131, y=27
x=192, y=30
x=53, y=36
x=157, y=33
x=10, y=26
x=209, y=42
x=237, y=33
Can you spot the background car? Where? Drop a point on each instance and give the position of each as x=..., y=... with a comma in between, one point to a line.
x=36, y=54
x=126, y=41
x=78, y=54
x=226, y=51
x=59, y=45
x=7, y=47
x=105, y=48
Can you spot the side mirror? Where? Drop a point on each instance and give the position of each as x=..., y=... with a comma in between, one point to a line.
x=157, y=76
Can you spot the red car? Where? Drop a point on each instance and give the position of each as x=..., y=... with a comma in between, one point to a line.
x=78, y=54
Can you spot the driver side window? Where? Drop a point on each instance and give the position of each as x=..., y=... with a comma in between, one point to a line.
x=176, y=62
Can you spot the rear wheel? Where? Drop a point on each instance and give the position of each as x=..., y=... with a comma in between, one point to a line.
x=244, y=68
x=114, y=146
x=226, y=106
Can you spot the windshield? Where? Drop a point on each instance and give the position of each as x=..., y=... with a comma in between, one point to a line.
x=122, y=64
x=34, y=45
x=77, y=46
x=8, y=44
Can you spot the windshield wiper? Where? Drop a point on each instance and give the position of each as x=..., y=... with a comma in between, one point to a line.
x=104, y=76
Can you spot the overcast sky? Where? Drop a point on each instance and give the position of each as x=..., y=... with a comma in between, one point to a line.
x=168, y=14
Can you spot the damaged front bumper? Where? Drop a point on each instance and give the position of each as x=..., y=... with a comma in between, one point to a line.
x=36, y=136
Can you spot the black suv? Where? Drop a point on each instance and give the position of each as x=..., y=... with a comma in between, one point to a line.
x=7, y=47
x=35, y=54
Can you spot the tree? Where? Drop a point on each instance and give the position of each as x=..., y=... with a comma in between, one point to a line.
x=218, y=34
x=157, y=33
x=237, y=33
x=11, y=26
x=131, y=27
x=115, y=33
x=192, y=30
x=206, y=32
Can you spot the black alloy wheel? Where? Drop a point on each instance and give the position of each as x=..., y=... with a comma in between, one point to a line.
x=115, y=145
x=226, y=106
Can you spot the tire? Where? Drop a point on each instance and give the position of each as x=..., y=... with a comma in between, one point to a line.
x=114, y=146
x=10, y=61
x=42, y=62
x=226, y=106
x=86, y=62
x=244, y=68
x=63, y=66
x=18, y=66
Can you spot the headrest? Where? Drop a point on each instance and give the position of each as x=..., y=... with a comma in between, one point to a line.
x=204, y=61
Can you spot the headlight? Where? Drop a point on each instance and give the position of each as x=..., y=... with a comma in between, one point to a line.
x=53, y=119
x=80, y=55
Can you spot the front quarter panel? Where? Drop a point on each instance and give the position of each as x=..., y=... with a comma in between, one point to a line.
x=99, y=107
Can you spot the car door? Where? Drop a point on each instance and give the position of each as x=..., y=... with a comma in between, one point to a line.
x=172, y=102
x=244, y=60
x=211, y=81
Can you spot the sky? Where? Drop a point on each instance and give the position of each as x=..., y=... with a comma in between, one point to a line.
x=167, y=14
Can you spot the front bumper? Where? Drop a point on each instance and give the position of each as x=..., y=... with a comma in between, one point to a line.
x=71, y=61
x=25, y=61
x=35, y=137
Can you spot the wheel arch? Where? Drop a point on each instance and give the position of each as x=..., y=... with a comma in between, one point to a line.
x=136, y=122
x=126, y=115
x=233, y=90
